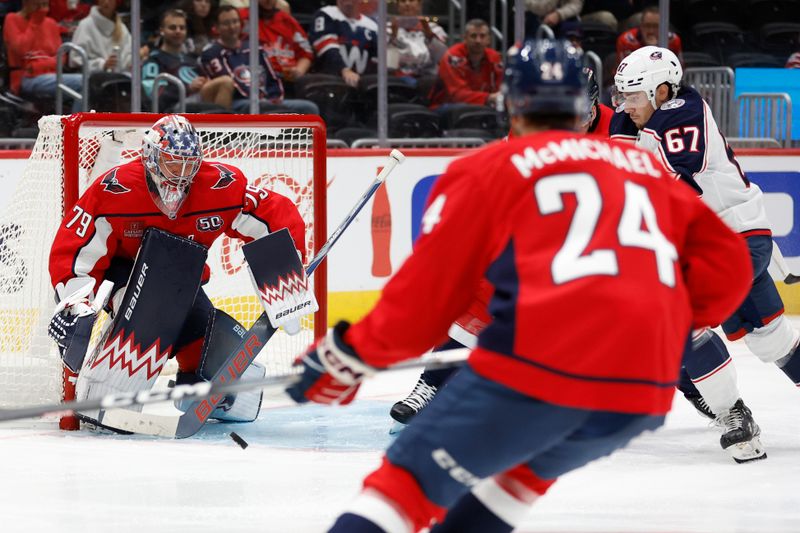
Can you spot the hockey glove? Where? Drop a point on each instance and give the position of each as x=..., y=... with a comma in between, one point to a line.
x=71, y=325
x=332, y=371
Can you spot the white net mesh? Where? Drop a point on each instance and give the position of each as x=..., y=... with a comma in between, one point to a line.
x=277, y=158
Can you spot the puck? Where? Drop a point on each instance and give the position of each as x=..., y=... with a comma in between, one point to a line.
x=239, y=440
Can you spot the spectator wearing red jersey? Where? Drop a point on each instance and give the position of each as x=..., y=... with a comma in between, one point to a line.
x=284, y=40
x=646, y=35
x=32, y=39
x=469, y=72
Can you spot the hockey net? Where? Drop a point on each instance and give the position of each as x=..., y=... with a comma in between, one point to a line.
x=283, y=153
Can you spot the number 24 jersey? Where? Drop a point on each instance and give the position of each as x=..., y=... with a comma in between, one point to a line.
x=600, y=262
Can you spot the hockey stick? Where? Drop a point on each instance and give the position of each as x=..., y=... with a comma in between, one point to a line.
x=168, y=426
x=240, y=358
x=782, y=267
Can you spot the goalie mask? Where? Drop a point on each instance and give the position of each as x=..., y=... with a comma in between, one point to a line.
x=171, y=155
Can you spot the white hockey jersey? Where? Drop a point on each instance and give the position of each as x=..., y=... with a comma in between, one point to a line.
x=684, y=134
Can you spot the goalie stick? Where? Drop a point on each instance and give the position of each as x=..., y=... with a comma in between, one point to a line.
x=168, y=426
x=257, y=336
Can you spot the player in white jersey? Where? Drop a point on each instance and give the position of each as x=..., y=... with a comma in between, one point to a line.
x=674, y=122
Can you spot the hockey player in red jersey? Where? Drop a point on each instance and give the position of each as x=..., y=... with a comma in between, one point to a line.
x=600, y=264
x=600, y=114
x=465, y=330
x=170, y=188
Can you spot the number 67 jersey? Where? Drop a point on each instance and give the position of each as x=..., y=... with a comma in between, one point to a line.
x=685, y=136
x=109, y=219
x=600, y=261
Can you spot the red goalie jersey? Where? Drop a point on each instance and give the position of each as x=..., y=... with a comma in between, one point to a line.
x=109, y=220
x=576, y=234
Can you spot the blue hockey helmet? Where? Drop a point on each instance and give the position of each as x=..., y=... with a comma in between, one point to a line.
x=546, y=77
x=171, y=154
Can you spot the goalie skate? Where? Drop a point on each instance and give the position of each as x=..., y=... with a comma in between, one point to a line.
x=740, y=434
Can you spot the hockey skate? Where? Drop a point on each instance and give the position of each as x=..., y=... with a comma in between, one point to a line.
x=702, y=407
x=404, y=410
x=740, y=433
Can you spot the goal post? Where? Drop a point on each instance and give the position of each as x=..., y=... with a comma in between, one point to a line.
x=283, y=153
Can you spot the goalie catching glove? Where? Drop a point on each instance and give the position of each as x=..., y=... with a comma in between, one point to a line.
x=72, y=322
x=332, y=371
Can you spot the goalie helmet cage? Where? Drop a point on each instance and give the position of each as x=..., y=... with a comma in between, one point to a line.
x=284, y=153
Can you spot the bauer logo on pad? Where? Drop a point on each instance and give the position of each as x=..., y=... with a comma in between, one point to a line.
x=279, y=279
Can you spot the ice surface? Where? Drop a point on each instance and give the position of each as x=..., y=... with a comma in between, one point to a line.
x=304, y=464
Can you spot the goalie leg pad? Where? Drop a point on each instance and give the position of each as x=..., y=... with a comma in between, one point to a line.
x=159, y=294
x=223, y=334
x=280, y=280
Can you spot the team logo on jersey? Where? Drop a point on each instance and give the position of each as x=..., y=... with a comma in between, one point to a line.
x=133, y=229
x=456, y=61
x=225, y=177
x=112, y=184
x=212, y=223
x=675, y=103
x=655, y=56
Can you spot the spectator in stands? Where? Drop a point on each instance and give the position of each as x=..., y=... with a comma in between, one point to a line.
x=552, y=13
x=172, y=58
x=105, y=39
x=345, y=41
x=416, y=44
x=470, y=72
x=646, y=35
x=283, y=5
x=229, y=57
x=200, y=24
x=68, y=13
x=32, y=40
x=284, y=40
